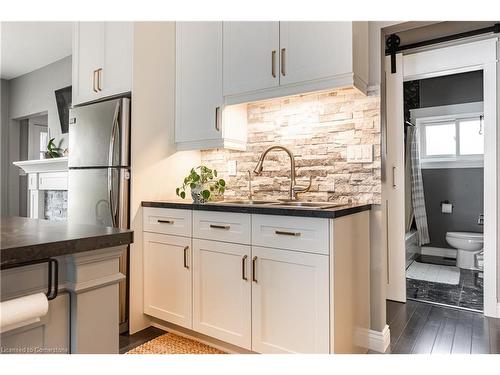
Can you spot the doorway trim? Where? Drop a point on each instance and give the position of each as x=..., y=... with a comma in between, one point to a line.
x=441, y=61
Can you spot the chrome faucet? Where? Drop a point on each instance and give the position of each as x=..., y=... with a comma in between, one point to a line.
x=250, y=192
x=294, y=188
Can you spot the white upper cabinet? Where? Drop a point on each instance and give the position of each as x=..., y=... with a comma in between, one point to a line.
x=220, y=65
x=201, y=120
x=264, y=60
x=102, y=60
x=251, y=60
x=314, y=50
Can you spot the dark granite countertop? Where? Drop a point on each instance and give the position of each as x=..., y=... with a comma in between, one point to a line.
x=24, y=239
x=268, y=209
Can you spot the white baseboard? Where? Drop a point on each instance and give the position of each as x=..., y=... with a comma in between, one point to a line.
x=498, y=310
x=377, y=341
x=439, y=251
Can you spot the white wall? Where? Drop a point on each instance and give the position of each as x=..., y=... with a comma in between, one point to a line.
x=33, y=93
x=156, y=166
x=4, y=147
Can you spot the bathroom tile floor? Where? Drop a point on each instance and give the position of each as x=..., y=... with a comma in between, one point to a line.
x=467, y=294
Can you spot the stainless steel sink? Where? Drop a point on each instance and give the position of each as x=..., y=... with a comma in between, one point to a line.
x=320, y=205
x=284, y=204
x=247, y=202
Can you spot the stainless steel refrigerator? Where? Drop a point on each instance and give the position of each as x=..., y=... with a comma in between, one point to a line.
x=99, y=173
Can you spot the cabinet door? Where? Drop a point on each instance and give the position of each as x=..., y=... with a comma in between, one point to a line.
x=167, y=278
x=290, y=302
x=198, y=81
x=250, y=49
x=314, y=50
x=222, y=291
x=88, y=56
x=116, y=74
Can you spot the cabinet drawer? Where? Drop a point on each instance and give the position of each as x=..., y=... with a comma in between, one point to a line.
x=222, y=226
x=293, y=233
x=167, y=221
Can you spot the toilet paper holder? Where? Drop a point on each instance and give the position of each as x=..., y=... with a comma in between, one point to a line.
x=53, y=274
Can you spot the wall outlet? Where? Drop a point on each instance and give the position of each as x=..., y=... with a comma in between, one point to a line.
x=360, y=153
x=231, y=167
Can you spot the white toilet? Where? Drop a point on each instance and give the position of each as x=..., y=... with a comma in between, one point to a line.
x=468, y=244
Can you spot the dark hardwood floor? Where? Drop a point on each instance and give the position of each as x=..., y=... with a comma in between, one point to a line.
x=416, y=327
x=422, y=328
x=129, y=342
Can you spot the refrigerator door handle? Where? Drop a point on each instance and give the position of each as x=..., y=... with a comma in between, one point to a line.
x=115, y=130
x=111, y=191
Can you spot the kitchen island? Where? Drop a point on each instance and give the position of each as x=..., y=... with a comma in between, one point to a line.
x=77, y=268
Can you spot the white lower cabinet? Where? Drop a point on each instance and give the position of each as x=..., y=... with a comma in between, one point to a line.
x=222, y=291
x=268, y=300
x=168, y=278
x=290, y=302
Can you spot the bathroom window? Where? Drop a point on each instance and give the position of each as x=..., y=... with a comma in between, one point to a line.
x=451, y=141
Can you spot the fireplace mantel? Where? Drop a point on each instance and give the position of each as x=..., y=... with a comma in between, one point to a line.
x=43, y=165
x=43, y=174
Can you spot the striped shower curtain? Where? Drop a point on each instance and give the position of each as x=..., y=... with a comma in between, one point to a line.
x=417, y=186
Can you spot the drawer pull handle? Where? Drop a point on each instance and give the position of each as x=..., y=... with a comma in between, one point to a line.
x=243, y=268
x=99, y=71
x=226, y=227
x=165, y=221
x=94, y=81
x=185, y=257
x=283, y=72
x=273, y=64
x=254, y=269
x=285, y=233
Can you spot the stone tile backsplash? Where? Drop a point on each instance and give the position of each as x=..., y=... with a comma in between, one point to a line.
x=56, y=205
x=317, y=128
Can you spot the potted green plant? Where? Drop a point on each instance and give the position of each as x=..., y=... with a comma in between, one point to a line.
x=52, y=150
x=204, y=185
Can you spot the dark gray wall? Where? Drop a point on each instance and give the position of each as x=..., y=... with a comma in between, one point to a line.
x=463, y=187
x=452, y=89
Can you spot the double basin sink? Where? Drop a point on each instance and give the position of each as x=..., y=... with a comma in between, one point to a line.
x=284, y=204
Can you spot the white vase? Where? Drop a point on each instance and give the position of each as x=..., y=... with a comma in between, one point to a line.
x=196, y=194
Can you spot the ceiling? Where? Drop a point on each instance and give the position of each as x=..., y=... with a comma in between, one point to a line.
x=27, y=46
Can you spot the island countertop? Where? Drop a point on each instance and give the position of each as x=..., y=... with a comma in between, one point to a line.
x=24, y=239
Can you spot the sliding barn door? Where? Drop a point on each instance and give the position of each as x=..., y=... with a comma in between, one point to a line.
x=393, y=193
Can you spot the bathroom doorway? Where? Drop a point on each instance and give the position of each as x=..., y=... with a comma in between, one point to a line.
x=444, y=173
x=454, y=128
